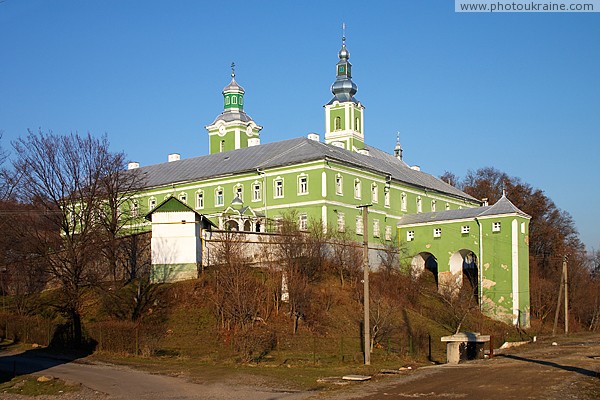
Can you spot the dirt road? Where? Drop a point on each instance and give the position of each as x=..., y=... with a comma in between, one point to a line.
x=570, y=370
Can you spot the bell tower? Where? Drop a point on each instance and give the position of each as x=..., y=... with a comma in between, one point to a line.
x=233, y=129
x=344, y=122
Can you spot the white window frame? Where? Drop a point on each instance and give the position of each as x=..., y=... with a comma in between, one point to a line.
x=278, y=192
x=496, y=226
x=359, y=225
x=151, y=203
x=437, y=232
x=183, y=197
x=238, y=191
x=357, y=189
x=465, y=229
x=302, y=184
x=388, y=232
x=386, y=198
x=447, y=206
x=339, y=185
x=341, y=222
x=374, y=193
x=303, y=221
x=403, y=201
x=410, y=236
x=376, y=228
x=219, y=197
x=419, y=204
x=200, y=199
x=256, y=191
x=135, y=208
x=433, y=206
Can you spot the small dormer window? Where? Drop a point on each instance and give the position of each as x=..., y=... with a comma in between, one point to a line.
x=410, y=236
x=437, y=232
x=200, y=199
x=465, y=229
x=234, y=100
x=496, y=226
x=183, y=197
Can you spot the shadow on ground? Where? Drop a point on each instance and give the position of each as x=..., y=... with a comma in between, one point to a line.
x=583, y=371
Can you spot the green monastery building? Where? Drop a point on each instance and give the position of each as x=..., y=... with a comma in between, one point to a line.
x=248, y=186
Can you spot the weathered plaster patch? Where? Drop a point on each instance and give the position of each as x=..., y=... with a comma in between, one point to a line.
x=487, y=283
x=486, y=266
x=504, y=267
x=501, y=299
x=427, y=246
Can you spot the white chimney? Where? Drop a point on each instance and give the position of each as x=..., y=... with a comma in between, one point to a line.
x=314, y=136
x=416, y=167
x=174, y=157
x=133, y=165
x=364, y=152
x=253, y=142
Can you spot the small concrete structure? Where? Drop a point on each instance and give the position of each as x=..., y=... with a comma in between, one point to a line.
x=464, y=346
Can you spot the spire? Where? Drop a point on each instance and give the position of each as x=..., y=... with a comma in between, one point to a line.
x=232, y=70
x=343, y=88
x=398, y=148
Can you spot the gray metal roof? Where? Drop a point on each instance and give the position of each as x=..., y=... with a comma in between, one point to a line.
x=231, y=114
x=502, y=207
x=289, y=152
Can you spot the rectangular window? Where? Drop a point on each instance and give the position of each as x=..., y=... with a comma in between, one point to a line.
x=403, y=202
x=151, y=203
x=522, y=227
x=239, y=192
x=388, y=232
x=279, y=188
x=341, y=222
x=433, y=205
x=303, y=222
x=135, y=208
x=374, y=194
x=303, y=185
x=183, y=198
x=496, y=227
x=200, y=199
x=386, y=198
x=437, y=232
x=359, y=225
x=219, y=200
x=357, y=189
x=338, y=185
x=376, y=229
x=410, y=236
x=465, y=229
x=419, y=205
x=256, y=192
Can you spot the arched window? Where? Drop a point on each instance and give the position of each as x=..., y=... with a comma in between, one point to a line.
x=337, y=126
x=403, y=202
x=200, y=199
x=222, y=146
x=357, y=189
x=419, y=204
x=357, y=128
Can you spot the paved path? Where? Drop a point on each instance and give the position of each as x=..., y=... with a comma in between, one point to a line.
x=119, y=382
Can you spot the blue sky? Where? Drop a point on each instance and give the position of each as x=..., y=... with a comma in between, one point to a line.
x=516, y=91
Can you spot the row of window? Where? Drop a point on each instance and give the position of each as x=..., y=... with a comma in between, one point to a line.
x=341, y=226
x=234, y=100
x=437, y=232
x=337, y=124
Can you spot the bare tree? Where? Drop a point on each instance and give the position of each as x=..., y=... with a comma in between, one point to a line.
x=64, y=177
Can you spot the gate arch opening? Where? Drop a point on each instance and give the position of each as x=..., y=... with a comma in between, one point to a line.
x=464, y=269
x=425, y=262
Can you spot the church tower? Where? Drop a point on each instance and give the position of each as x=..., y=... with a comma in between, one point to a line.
x=233, y=129
x=344, y=122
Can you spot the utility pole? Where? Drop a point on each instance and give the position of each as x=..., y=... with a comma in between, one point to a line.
x=566, y=280
x=563, y=284
x=366, y=323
